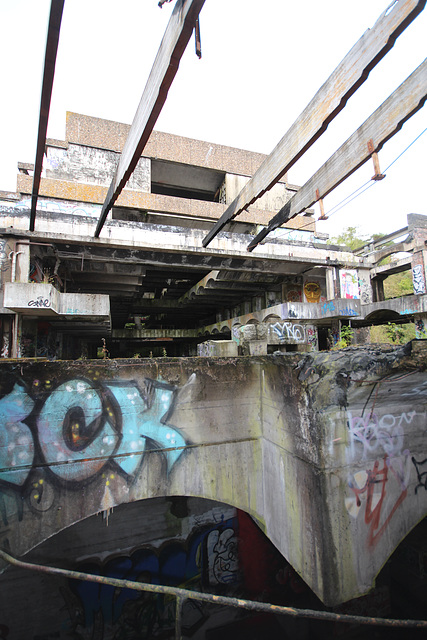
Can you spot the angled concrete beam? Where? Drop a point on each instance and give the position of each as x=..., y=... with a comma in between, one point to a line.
x=326, y=104
x=382, y=125
x=172, y=47
x=56, y=9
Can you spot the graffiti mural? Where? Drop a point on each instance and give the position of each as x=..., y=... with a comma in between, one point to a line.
x=373, y=485
x=420, y=329
x=208, y=558
x=349, y=284
x=81, y=428
x=294, y=295
x=312, y=292
x=312, y=338
x=288, y=331
x=418, y=279
x=381, y=488
x=365, y=291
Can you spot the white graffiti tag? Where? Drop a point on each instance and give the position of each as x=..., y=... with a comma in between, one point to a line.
x=379, y=435
x=289, y=331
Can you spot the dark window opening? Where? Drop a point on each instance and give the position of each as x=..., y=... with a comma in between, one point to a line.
x=182, y=192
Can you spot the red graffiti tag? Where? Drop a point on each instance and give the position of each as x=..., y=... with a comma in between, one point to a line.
x=373, y=515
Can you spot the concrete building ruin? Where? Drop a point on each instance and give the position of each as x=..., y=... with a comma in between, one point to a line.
x=149, y=287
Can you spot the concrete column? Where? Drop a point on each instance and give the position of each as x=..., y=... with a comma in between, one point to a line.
x=365, y=286
x=15, y=347
x=419, y=272
x=22, y=266
x=330, y=283
x=378, y=289
x=6, y=341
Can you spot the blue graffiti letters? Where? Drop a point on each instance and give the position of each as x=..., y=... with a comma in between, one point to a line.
x=16, y=441
x=141, y=422
x=71, y=428
x=81, y=426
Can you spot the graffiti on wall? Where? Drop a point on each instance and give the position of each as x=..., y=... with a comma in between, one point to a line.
x=312, y=292
x=294, y=295
x=421, y=475
x=365, y=291
x=4, y=262
x=207, y=559
x=312, y=337
x=349, y=284
x=418, y=279
x=80, y=429
x=382, y=436
x=56, y=206
x=286, y=331
x=420, y=329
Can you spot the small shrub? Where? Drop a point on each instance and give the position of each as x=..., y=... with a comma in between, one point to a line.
x=395, y=332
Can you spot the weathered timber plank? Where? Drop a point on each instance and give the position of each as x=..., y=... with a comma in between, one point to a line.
x=325, y=105
x=54, y=27
x=172, y=47
x=380, y=127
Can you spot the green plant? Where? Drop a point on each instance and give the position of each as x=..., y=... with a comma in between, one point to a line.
x=136, y=355
x=346, y=336
x=395, y=332
x=164, y=352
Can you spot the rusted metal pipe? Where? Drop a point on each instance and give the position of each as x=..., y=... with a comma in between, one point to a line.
x=184, y=594
x=178, y=616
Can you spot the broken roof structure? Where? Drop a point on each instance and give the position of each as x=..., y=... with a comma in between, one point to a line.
x=159, y=231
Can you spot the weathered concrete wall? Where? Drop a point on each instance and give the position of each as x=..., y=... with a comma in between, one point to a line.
x=326, y=451
x=92, y=166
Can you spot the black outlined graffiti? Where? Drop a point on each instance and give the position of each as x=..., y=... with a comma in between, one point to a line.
x=69, y=434
x=421, y=475
x=39, y=302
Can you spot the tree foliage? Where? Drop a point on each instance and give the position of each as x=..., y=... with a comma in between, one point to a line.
x=350, y=238
x=396, y=285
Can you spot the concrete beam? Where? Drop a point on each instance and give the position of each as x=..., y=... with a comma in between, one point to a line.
x=175, y=40
x=55, y=18
x=326, y=104
x=382, y=125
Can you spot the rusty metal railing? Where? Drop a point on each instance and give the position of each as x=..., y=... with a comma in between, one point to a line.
x=184, y=594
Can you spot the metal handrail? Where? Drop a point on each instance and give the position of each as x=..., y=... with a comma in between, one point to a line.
x=185, y=594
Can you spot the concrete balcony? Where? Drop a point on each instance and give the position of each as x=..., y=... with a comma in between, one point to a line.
x=42, y=299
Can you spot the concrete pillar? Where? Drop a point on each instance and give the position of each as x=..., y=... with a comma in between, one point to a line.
x=22, y=266
x=419, y=272
x=312, y=337
x=6, y=336
x=417, y=225
x=15, y=347
x=330, y=283
x=365, y=287
x=378, y=289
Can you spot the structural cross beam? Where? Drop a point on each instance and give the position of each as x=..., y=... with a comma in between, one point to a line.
x=172, y=47
x=325, y=105
x=52, y=40
x=387, y=120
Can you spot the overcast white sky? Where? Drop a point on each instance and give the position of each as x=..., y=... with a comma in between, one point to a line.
x=261, y=64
